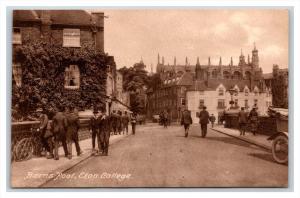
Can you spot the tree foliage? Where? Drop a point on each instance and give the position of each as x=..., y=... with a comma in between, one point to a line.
x=43, y=76
x=279, y=91
x=135, y=81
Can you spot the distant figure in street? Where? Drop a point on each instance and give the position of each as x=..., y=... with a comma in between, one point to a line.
x=165, y=119
x=120, y=123
x=253, y=118
x=133, y=122
x=59, y=125
x=114, y=122
x=72, y=131
x=94, y=127
x=104, y=133
x=203, y=120
x=125, y=122
x=186, y=121
x=242, y=121
x=212, y=120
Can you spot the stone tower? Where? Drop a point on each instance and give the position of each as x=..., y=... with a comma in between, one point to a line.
x=255, y=59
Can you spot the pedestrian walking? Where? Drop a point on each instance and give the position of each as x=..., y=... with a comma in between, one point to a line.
x=165, y=117
x=253, y=118
x=72, y=131
x=94, y=128
x=203, y=120
x=119, y=122
x=212, y=120
x=125, y=122
x=133, y=122
x=43, y=119
x=59, y=128
x=114, y=122
x=104, y=133
x=242, y=116
x=186, y=121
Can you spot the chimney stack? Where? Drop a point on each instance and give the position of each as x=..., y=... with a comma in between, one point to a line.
x=98, y=22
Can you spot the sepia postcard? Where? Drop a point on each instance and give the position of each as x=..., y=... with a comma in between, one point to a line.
x=152, y=98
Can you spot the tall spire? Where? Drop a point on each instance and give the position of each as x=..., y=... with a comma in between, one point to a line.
x=174, y=60
x=158, y=59
x=151, y=68
x=163, y=61
x=254, y=45
x=186, y=60
x=231, y=61
x=198, y=62
x=209, y=60
x=248, y=59
x=220, y=61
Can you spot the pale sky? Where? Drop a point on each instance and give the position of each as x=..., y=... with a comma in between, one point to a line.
x=132, y=34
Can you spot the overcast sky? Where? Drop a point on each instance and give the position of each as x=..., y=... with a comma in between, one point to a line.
x=132, y=34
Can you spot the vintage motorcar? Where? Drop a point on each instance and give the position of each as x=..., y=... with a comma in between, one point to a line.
x=280, y=137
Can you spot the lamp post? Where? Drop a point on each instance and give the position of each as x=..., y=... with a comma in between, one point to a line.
x=231, y=92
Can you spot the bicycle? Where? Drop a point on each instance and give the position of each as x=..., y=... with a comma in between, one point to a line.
x=28, y=146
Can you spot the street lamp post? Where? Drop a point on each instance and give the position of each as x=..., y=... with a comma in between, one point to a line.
x=231, y=92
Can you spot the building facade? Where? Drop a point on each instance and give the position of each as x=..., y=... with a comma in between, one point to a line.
x=192, y=86
x=69, y=30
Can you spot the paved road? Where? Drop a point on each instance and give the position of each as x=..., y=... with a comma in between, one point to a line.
x=157, y=157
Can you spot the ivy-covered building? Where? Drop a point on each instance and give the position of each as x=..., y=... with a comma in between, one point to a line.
x=58, y=58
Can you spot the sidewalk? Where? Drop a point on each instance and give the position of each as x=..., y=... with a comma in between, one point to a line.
x=258, y=140
x=38, y=170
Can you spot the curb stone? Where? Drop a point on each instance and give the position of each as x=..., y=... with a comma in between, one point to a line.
x=268, y=148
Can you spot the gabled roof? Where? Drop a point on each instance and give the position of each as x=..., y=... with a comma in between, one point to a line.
x=186, y=79
x=25, y=15
x=213, y=84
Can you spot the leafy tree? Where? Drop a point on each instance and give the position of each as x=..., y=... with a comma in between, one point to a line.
x=279, y=91
x=135, y=80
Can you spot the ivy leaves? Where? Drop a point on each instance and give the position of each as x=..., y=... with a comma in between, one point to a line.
x=43, y=77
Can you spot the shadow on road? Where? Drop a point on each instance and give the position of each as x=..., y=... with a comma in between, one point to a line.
x=265, y=156
x=234, y=141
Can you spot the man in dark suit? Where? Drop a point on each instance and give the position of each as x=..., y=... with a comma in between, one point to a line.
x=204, y=119
x=186, y=121
x=72, y=131
x=59, y=126
x=94, y=127
x=114, y=122
x=104, y=133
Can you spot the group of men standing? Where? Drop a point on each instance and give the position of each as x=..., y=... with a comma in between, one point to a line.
x=119, y=122
x=62, y=130
x=65, y=126
x=243, y=118
x=100, y=126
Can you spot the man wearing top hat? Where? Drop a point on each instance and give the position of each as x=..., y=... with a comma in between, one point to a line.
x=94, y=127
x=104, y=133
